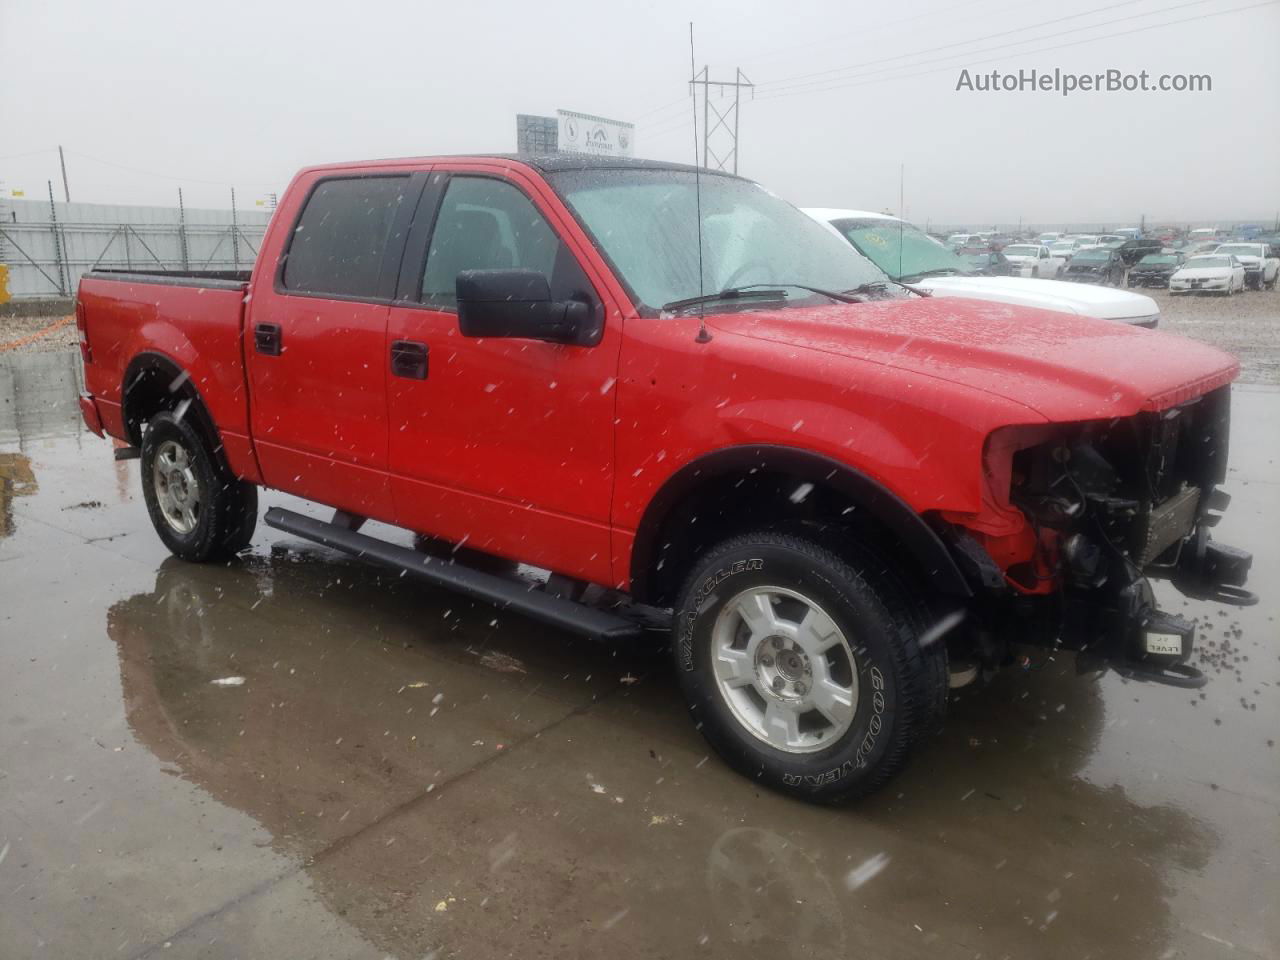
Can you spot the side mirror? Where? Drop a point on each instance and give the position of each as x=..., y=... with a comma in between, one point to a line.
x=518, y=304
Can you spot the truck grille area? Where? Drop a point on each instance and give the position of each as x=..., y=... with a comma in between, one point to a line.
x=1134, y=486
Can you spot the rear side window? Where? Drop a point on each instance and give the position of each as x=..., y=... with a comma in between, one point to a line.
x=340, y=239
x=487, y=224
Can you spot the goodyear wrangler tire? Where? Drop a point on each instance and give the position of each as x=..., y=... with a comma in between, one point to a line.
x=199, y=508
x=804, y=673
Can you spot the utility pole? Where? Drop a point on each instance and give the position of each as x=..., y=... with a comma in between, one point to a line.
x=57, y=242
x=235, y=240
x=726, y=119
x=66, y=190
x=182, y=232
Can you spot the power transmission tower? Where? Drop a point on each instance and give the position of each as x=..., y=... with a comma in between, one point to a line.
x=724, y=132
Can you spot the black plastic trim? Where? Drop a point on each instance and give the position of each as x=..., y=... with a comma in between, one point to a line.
x=208, y=279
x=413, y=257
x=152, y=360
x=920, y=541
x=514, y=595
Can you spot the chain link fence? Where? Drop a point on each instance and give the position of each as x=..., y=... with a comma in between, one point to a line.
x=47, y=247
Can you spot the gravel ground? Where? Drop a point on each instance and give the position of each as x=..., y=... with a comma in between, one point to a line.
x=1246, y=325
x=17, y=328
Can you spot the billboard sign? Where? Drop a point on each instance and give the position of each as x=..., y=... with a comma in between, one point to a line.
x=584, y=133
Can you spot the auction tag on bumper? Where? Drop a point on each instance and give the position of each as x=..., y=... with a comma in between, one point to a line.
x=1164, y=643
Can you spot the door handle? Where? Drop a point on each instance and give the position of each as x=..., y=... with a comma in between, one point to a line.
x=266, y=339
x=409, y=359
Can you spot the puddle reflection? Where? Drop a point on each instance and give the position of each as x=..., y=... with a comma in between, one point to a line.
x=992, y=843
x=38, y=396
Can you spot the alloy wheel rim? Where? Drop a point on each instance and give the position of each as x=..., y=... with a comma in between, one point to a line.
x=785, y=669
x=177, y=488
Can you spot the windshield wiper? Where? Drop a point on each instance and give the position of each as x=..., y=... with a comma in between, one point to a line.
x=883, y=284
x=730, y=293
x=755, y=291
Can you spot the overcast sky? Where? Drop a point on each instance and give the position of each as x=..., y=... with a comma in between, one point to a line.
x=210, y=94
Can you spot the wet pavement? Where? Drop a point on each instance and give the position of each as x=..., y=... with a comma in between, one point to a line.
x=406, y=773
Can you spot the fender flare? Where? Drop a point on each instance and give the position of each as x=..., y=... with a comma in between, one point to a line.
x=917, y=537
x=148, y=360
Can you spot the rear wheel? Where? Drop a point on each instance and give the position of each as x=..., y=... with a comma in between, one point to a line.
x=802, y=670
x=198, y=507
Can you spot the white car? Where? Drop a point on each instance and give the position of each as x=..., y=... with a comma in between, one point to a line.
x=1065, y=248
x=1034, y=260
x=1048, y=238
x=887, y=242
x=1260, y=262
x=1211, y=273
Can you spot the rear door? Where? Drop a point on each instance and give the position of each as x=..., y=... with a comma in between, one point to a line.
x=505, y=445
x=316, y=347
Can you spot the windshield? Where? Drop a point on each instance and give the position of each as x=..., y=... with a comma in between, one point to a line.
x=900, y=249
x=1090, y=255
x=1022, y=250
x=1197, y=262
x=645, y=222
x=1239, y=249
x=1159, y=258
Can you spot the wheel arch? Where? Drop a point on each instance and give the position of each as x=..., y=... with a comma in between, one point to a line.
x=733, y=477
x=154, y=382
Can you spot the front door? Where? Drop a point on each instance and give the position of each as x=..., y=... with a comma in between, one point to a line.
x=505, y=445
x=316, y=346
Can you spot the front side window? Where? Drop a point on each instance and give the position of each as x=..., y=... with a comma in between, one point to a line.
x=341, y=237
x=487, y=224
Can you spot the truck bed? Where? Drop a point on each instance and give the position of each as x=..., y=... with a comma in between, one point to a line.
x=176, y=333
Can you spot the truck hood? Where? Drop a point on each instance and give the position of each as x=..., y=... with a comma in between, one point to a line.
x=1108, y=304
x=1063, y=367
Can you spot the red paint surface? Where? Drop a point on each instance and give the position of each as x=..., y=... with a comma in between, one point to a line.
x=549, y=454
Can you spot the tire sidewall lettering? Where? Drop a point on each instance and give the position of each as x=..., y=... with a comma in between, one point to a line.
x=704, y=592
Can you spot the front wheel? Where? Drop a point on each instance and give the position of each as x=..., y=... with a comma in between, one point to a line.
x=805, y=672
x=198, y=507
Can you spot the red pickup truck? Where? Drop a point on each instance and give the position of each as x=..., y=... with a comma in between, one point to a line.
x=699, y=411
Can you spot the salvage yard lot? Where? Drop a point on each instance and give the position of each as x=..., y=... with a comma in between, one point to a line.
x=404, y=772
x=1246, y=325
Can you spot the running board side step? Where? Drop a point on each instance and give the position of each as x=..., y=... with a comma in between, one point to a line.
x=516, y=596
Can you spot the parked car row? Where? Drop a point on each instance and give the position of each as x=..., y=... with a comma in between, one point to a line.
x=906, y=254
x=1128, y=258
x=1227, y=269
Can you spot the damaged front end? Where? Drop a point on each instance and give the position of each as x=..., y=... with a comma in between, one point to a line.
x=1095, y=511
